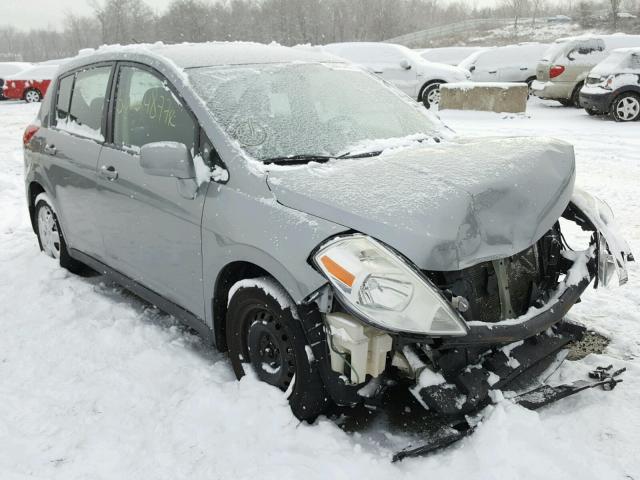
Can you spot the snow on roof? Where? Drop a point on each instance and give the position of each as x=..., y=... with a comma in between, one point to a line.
x=36, y=72
x=190, y=55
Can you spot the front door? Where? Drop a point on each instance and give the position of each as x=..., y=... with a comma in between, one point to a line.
x=151, y=232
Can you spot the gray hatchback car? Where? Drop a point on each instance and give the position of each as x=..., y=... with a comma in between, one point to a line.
x=314, y=222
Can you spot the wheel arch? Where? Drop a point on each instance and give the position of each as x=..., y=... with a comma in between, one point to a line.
x=230, y=274
x=34, y=189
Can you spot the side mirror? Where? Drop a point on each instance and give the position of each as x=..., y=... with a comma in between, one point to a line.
x=404, y=63
x=167, y=159
x=472, y=68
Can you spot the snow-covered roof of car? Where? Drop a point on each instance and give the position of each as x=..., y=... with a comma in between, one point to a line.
x=190, y=55
x=36, y=72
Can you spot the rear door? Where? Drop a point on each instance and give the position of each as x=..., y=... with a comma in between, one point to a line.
x=151, y=232
x=74, y=140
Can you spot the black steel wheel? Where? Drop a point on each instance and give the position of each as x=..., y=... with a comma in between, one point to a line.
x=266, y=336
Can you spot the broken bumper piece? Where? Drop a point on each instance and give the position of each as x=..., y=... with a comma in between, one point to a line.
x=467, y=390
x=603, y=377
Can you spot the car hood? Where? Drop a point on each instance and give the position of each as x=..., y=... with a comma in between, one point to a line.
x=447, y=206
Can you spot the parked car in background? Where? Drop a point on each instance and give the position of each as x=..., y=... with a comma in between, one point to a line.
x=448, y=55
x=565, y=65
x=512, y=63
x=559, y=19
x=613, y=86
x=401, y=66
x=316, y=224
x=10, y=68
x=30, y=84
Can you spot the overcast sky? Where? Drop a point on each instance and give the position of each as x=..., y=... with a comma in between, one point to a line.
x=26, y=14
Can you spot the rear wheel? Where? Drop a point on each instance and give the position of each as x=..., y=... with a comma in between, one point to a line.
x=265, y=336
x=592, y=111
x=431, y=95
x=575, y=95
x=626, y=108
x=32, y=96
x=50, y=237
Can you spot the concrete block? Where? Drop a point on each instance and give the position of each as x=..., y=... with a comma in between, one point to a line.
x=490, y=97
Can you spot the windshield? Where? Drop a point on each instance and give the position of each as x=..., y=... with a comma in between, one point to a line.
x=276, y=111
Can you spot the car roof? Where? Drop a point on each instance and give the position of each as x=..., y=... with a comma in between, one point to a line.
x=191, y=55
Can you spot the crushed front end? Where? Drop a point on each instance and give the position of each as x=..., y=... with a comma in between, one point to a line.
x=496, y=325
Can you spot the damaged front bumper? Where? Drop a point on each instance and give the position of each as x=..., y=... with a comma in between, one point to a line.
x=454, y=375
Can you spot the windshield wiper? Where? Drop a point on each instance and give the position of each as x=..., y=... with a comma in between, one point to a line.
x=298, y=159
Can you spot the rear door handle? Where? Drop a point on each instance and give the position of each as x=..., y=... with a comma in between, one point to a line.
x=493, y=71
x=50, y=149
x=110, y=173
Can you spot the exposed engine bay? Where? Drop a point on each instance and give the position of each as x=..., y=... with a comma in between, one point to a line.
x=513, y=309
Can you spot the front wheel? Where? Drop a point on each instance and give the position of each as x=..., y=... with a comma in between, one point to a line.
x=32, y=96
x=626, y=108
x=50, y=237
x=264, y=334
x=431, y=95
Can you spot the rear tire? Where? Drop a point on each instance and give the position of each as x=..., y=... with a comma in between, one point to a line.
x=575, y=95
x=592, y=112
x=431, y=95
x=50, y=237
x=626, y=107
x=266, y=336
x=32, y=96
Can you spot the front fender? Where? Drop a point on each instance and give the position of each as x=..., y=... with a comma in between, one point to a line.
x=613, y=250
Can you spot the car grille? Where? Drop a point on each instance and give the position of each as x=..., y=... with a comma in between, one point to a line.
x=504, y=288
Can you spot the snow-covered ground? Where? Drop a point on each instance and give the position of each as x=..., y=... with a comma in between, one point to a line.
x=95, y=384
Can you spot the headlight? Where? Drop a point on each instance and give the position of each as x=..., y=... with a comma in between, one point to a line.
x=383, y=290
x=606, y=82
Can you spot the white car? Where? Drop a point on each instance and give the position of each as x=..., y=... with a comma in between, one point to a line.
x=401, y=66
x=448, y=55
x=512, y=63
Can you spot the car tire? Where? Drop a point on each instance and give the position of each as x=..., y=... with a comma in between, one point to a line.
x=50, y=237
x=626, y=107
x=575, y=95
x=592, y=112
x=263, y=334
x=565, y=103
x=431, y=95
x=32, y=96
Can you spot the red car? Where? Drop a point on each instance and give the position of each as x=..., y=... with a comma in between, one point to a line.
x=30, y=84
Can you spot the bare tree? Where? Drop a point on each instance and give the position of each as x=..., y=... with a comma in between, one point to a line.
x=517, y=8
x=615, y=10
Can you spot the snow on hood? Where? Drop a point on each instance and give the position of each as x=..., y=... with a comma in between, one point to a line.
x=446, y=206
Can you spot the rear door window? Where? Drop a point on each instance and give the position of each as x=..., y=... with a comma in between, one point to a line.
x=147, y=111
x=63, y=98
x=80, y=102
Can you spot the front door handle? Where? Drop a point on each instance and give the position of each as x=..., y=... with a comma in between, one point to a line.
x=110, y=173
x=524, y=68
x=50, y=149
x=493, y=71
